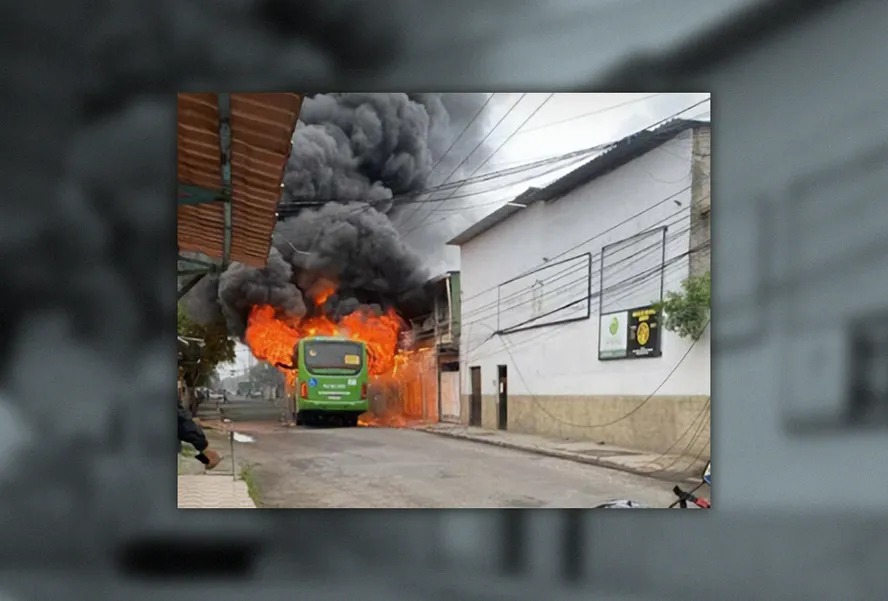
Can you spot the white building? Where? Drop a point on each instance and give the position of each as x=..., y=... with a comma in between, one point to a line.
x=540, y=275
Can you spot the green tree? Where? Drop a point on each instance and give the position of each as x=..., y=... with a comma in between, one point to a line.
x=218, y=348
x=687, y=312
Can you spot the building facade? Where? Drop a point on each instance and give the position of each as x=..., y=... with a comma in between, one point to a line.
x=559, y=336
x=438, y=334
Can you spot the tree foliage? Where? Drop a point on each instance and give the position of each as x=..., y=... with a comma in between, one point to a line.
x=687, y=312
x=218, y=348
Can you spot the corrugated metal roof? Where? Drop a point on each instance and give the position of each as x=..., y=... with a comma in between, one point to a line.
x=261, y=136
x=617, y=155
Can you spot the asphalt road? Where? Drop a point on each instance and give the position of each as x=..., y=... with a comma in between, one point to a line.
x=402, y=468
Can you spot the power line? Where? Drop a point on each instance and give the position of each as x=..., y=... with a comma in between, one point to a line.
x=489, y=310
x=499, y=201
x=665, y=222
x=627, y=286
x=491, y=155
x=549, y=331
x=464, y=130
x=584, y=242
x=589, y=114
x=457, y=138
x=477, y=146
x=657, y=123
x=410, y=197
x=290, y=208
x=634, y=280
x=694, y=437
x=511, y=197
x=612, y=422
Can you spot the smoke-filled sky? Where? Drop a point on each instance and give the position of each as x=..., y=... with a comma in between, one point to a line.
x=562, y=125
x=373, y=148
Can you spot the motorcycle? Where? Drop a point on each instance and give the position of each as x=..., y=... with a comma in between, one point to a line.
x=684, y=497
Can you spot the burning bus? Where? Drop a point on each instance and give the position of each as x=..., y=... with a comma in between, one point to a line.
x=327, y=362
x=331, y=379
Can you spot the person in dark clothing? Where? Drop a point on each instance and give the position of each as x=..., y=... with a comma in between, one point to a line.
x=191, y=433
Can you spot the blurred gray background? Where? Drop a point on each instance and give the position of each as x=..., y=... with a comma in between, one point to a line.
x=800, y=416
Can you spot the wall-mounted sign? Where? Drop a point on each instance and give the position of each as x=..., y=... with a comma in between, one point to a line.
x=644, y=333
x=612, y=335
x=631, y=334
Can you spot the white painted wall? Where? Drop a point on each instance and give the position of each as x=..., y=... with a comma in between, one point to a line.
x=450, y=396
x=785, y=349
x=563, y=359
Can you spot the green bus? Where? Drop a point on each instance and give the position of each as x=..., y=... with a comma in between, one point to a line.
x=332, y=381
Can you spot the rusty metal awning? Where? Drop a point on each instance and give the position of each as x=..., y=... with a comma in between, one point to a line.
x=232, y=150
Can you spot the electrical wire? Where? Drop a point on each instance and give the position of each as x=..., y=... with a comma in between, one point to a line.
x=457, y=138
x=410, y=197
x=584, y=242
x=627, y=286
x=627, y=261
x=461, y=134
x=674, y=115
x=288, y=209
x=558, y=328
x=591, y=113
x=484, y=139
x=693, y=424
x=577, y=269
x=490, y=156
x=635, y=282
x=497, y=305
x=612, y=422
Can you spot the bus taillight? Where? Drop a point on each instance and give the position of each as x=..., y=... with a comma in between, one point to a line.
x=364, y=391
x=303, y=390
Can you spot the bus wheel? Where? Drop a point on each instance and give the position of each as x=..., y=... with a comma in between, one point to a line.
x=351, y=421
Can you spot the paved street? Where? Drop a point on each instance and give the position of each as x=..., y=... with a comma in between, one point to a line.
x=403, y=468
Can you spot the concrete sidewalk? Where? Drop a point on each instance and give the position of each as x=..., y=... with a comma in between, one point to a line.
x=207, y=491
x=674, y=468
x=218, y=489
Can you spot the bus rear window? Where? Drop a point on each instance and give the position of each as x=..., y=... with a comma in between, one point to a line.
x=334, y=354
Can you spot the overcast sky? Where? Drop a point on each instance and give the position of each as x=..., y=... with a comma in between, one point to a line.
x=564, y=123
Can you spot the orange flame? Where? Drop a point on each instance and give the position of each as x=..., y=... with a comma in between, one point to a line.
x=273, y=338
x=322, y=297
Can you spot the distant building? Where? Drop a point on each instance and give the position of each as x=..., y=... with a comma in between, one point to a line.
x=429, y=382
x=558, y=334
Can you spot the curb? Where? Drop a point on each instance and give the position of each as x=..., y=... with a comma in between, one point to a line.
x=559, y=455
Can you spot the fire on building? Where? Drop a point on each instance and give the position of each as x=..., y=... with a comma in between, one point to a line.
x=337, y=265
x=404, y=353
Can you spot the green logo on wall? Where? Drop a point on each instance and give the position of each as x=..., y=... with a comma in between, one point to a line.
x=614, y=326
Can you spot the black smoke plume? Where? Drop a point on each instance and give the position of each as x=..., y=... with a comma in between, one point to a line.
x=357, y=157
x=372, y=147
